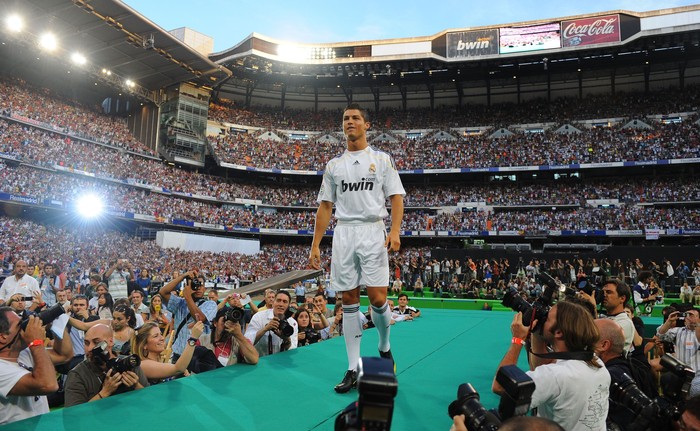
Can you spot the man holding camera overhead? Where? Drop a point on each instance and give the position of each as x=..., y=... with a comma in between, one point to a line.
x=571, y=384
x=95, y=378
x=682, y=329
x=191, y=308
x=272, y=331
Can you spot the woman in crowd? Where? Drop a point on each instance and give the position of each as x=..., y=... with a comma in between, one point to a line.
x=144, y=280
x=227, y=341
x=160, y=315
x=105, y=306
x=307, y=333
x=148, y=344
x=123, y=324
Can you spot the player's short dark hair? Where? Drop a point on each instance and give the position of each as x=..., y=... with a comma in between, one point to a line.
x=362, y=110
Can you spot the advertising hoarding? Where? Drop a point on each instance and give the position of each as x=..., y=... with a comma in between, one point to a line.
x=590, y=31
x=466, y=44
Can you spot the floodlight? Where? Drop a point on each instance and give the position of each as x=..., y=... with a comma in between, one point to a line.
x=106, y=72
x=292, y=52
x=78, y=58
x=129, y=83
x=48, y=41
x=89, y=206
x=14, y=23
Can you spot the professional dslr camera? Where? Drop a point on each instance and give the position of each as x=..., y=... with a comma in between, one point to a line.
x=514, y=402
x=47, y=316
x=539, y=309
x=377, y=387
x=120, y=364
x=284, y=327
x=312, y=336
x=196, y=283
x=234, y=314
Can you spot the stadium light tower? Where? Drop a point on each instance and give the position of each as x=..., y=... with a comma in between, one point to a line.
x=48, y=41
x=89, y=206
x=14, y=23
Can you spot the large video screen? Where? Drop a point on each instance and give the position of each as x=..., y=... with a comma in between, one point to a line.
x=530, y=38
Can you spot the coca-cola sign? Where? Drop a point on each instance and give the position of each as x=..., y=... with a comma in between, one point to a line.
x=590, y=31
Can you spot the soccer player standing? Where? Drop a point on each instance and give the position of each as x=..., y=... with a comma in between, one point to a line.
x=359, y=181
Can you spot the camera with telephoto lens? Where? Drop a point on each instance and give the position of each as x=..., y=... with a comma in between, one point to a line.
x=594, y=290
x=284, y=327
x=234, y=314
x=539, y=309
x=46, y=316
x=675, y=385
x=630, y=405
x=515, y=401
x=377, y=387
x=120, y=364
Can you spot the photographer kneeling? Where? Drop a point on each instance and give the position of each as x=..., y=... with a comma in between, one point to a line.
x=227, y=341
x=102, y=373
x=571, y=384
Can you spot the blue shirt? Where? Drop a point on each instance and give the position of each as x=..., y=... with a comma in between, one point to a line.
x=178, y=306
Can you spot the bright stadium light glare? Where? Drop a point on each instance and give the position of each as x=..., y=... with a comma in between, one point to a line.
x=293, y=53
x=78, y=58
x=14, y=23
x=89, y=206
x=48, y=41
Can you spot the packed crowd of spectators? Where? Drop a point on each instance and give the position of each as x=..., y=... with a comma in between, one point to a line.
x=616, y=144
x=562, y=110
x=42, y=106
x=120, y=198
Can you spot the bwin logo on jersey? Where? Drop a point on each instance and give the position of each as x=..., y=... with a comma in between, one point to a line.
x=358, y=186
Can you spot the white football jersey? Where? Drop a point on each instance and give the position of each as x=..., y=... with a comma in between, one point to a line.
x=359, y=182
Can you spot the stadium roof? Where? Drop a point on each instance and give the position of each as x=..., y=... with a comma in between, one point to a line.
x=274, y=70
x=111, y=35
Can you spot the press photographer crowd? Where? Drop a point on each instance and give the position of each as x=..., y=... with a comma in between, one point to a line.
x=117, y=329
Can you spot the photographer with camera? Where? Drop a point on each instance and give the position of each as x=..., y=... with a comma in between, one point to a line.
x=27, y=372
x=633, y=387
x=307, y=334
x=272, y=331
x=616, y=293
x=682, y=329
x=226, y=339
x=102, y=373
x=191, y=308
x=571, y=384
x=118, y=276
x=644, y=297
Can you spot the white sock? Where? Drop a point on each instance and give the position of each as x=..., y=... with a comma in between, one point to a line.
x=352, y=331
x=381, y=317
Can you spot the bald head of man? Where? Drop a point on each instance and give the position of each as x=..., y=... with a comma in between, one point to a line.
x=612, y=339
x=96, y=335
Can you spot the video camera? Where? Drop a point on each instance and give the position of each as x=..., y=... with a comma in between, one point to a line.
x=539, y=309
x=377, y=387
x=515, y=401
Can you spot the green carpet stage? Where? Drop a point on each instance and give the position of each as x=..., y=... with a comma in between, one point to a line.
x=294, y=390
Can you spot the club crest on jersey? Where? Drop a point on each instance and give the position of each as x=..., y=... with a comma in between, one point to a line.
x=363, y=184
x=372, y=168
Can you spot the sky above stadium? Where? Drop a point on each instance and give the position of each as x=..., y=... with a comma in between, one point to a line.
x=313, y=21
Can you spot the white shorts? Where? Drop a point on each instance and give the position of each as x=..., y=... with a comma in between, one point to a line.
x=359, y=256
